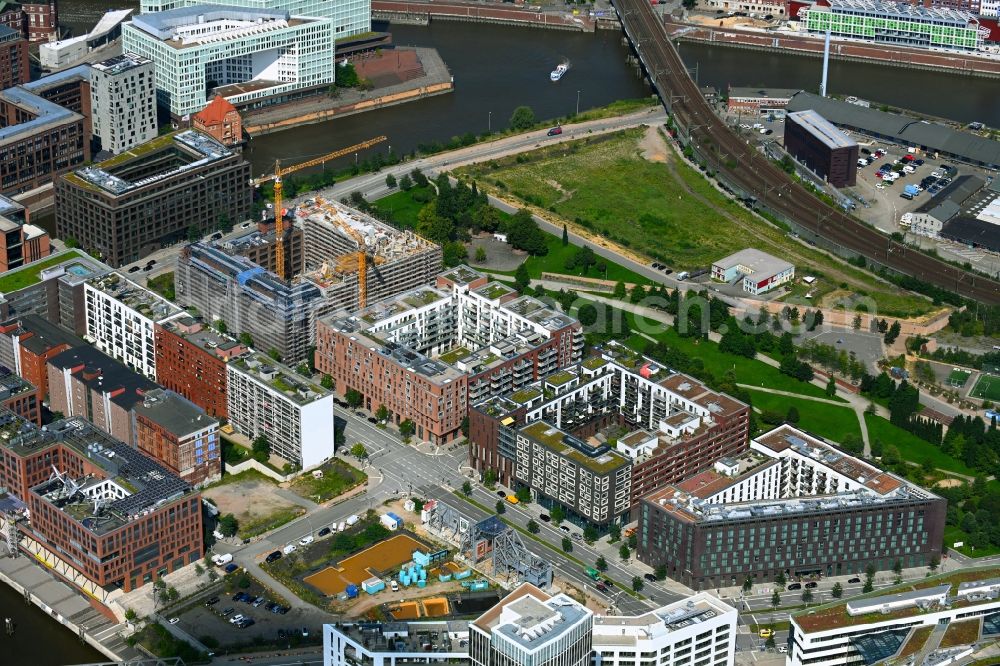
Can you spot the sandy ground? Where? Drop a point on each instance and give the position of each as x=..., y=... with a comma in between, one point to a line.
x=948, y=483
x=499, y=256
x=248, y=500
x=654, y=149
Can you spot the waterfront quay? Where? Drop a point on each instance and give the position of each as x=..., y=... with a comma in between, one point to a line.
x=422, y=12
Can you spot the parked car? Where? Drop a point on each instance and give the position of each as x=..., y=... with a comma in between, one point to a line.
x=650, y=577
x=134, y=269
x=306, y=540
x=236, y=618
x=174, y=620
x=564, y=528
x=305, y=633
x=502, y=494
x=555, y=131
x=323, y=532
x=247, y=622
x=228, y=611
x=231, y=567
x=245, y=225
x=258, y=602
x=217, y=235
x=212, y=601
x=544, y=518
x=854, y=580
x=372, y=419
x=281, y=633
x=273, y=557
x=795, y=586
x=765, y=633
x=812, y=584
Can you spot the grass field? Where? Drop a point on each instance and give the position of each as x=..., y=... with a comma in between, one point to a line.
x=911, y=447
x=603, y=185
x=957, y=378
x=954, y=534
x=987, y=388
x=834, y=423
x=401, y=207
x=555, y=262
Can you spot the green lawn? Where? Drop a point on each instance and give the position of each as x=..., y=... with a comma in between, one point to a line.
x=827, y=421
x=911, y=447
x=401, y=208
x=30, y=274
x=603, y=185
x=957, y=378
x=954, y=534
x=748, y=370
x=555, y=262
x=987, y=388
x=163, y=284
x=338, y=478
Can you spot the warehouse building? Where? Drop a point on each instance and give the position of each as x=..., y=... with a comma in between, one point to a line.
x=758, y=271
x=824, y=149
x=132, y=204
x=759, y=101
x=223, y=283
x=792, y=505
x=939, y=141
x=895, y=23
x=930, y=217
x=249, y=56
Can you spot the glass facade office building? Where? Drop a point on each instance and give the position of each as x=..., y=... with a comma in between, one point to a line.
x=350, y=17
x=896, y=23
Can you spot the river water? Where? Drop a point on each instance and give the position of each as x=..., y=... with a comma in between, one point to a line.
x=38, y=640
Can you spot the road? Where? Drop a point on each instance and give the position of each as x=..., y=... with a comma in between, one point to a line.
x=749, y=171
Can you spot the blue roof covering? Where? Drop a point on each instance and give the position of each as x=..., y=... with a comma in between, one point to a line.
x=26, y=97
x=246, y=275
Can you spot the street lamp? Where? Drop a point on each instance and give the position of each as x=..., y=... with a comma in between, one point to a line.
x=577, y=102
x=489, y=122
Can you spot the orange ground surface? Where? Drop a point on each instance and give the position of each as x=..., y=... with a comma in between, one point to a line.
x=358, y=568
x=435, y=607
x=406, y=610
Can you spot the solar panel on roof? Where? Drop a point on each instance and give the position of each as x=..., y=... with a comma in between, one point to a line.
x=795, y=440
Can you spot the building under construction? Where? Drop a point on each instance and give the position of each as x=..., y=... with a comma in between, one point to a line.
x=224, y=283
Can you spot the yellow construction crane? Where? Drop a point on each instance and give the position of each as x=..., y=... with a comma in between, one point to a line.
x=358, y=261
x=279, y=172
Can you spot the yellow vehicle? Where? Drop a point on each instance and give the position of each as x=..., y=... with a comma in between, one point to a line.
x=765, y=633
x=512, y=499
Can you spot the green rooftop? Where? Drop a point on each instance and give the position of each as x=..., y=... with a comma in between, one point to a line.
x=525, y=395
x=594, y=362
x=25, y=276
x=551, y=438
x=422, y=298
x=560, y=378
x=455, y=355
x=494, y=290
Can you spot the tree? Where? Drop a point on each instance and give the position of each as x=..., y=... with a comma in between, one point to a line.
x=303, y=369
x=831, y=387
x=523, y=234
x=837, y=591
x=480, y=254
x=261, y=448
x=637, y=583
x=454, y=253
x=464, y=426
x=619, y=292
x=489, y=478
x=623, y=552
x=567, y=545
x=590, y=534
x=434, y=226
x=868, y=586
x=390, y=181
x=934, y=563
x=522, y=118
x=893, y=333
x=557, y=514
x=406, y=183
x=326, y=382
x=897, y=567
x=793, y=415
x=661, y=572
x=856, y=323
x=193, y=233
x=533, y=527
x=221, y=327
x=346, y=75
x=359, y=451
x=780, y=579
x=601, y=564
x=274, y=354
x=171, y=594
x=501, y=509
x=466, y=488
x=246, y=339
x=587, y=314
x=521, y=278
x=228, y=525
x=565, y=236
x=382, y=413
x=523, y=494
x=807, y=595
x=419, y=179
x=689, y=4
x=407, y=428
x=614, y=532
x=131, y=615
x=353, y=398
x=748, y=584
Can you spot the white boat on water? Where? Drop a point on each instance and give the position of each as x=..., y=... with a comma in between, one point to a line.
x=558, y=72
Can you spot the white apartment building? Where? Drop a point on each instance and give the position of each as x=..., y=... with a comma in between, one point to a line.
x=121, y=319
x=266, y=398
x=874, y=628
x=698, y=631
x=248, y=55
x=123, y=102
x=531, y=627
x=350, y=17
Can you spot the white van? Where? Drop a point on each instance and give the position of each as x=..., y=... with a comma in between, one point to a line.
x=289, y=549
x=683, y=275
x=342, y=526
x=353, y=519
x=394, y=586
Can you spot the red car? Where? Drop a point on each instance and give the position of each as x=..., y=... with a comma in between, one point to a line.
x=555, y=131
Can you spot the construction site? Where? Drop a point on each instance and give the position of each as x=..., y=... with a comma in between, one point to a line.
x=324, y=257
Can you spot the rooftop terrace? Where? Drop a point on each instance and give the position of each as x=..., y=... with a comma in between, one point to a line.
x=281, y=378
x=144, y=301
x=600, y=460
x=72, y=261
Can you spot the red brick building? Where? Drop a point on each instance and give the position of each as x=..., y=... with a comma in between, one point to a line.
x=221, y=120
x=145, y=523
x=191, y=360
x=179, y=435
x=27, y=344
x=42, y=20
x=20, y=243
x=15, y=68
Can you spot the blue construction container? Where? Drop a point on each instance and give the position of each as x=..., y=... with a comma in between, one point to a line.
x=463, y=574
x=421, y=583
x=352, y=591
x=444, y=578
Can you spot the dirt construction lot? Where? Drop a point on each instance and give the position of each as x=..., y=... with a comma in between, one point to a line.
x=356, y=568
x=250, y=500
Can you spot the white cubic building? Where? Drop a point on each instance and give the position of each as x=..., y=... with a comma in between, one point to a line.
x=350, y=17
x=248, y=56
x=123, y=102
x=122, y=317
x=296, y=415
x=697, y=630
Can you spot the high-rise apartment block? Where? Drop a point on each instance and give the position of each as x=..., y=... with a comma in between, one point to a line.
x=15, y=68
x=296, y=415
x=131, y=204
x=101, y=514
x=430, y=352
x=223, y=282
x=123, y=102
x=794, y=505
x=600, y=435
x=350, y=17
x=122, y=319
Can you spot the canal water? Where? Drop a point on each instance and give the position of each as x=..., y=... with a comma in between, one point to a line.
x=38, y=640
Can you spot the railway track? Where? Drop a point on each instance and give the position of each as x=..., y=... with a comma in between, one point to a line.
x=744, y=167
